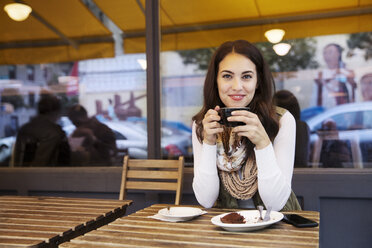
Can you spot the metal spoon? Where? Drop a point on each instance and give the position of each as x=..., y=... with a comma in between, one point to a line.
x=260, y=208
x=267, y=215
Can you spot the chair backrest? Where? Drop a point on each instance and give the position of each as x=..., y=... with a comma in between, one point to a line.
x=152, y=174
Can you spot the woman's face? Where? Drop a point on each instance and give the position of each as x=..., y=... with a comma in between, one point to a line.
x=331, y=56
x=236, y=80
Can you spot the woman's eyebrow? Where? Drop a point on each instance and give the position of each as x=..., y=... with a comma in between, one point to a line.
x=244, y=72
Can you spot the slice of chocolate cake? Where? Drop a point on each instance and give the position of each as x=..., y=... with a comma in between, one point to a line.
x=233, y=218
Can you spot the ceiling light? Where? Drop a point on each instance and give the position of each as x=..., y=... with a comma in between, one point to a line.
x=17, y=11
x=274, y=35
x=282, y=48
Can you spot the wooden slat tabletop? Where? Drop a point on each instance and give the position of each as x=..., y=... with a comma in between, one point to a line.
x=137, y=230
x=38, y=221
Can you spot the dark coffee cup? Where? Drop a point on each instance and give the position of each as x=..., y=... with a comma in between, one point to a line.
x=226, y=112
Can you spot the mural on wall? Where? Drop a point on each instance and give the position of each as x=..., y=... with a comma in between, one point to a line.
x=118, y=110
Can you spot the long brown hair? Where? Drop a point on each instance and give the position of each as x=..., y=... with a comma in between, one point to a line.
x=261, y=103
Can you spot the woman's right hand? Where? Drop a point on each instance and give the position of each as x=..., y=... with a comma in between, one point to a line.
x=211, y=127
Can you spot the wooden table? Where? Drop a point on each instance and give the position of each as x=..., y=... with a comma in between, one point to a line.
x=137, y=230
x=27, y=221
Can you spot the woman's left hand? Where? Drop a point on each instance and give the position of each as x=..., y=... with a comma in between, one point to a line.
x=252, y=129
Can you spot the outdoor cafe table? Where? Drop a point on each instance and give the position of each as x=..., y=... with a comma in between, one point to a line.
x=38, y=221
x=137, y=230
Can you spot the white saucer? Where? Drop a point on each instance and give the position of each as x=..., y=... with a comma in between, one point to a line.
x=180, y=213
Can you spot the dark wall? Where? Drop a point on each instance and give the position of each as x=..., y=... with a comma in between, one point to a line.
x=343, y=197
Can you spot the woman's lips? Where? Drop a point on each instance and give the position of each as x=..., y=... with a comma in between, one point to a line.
x=236, y=97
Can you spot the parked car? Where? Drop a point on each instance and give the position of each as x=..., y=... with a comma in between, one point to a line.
x=131, y=137
x=311, y=112
x=350, y=123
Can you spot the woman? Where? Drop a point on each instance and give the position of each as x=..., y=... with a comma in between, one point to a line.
x=238, y=76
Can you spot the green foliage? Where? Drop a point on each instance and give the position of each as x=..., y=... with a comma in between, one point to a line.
x=200, y=57
x=301, y=56
x=362, y=41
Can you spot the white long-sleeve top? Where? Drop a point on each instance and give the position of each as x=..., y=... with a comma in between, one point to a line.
x=274, y=166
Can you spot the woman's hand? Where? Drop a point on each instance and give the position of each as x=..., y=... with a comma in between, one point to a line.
x=211, y=127
x=252, y=129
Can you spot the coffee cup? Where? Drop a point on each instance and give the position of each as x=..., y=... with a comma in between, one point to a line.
x=225, y=112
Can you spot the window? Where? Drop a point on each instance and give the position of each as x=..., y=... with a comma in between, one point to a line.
x=114, y=92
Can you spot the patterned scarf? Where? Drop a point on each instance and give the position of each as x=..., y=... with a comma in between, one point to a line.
x=231, y=160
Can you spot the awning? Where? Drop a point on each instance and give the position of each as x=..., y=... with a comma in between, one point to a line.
x=187, y=24
x=78, y=34
x=195, y=24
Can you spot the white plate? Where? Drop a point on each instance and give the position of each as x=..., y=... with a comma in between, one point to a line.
x=180, y=213
x=251, y=217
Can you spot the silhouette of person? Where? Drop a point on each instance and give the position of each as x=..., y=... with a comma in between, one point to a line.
x=334, y=152
x=92, y=142
x=366, y=87
x=287, y=100
x=334, y=83
x=42, y=142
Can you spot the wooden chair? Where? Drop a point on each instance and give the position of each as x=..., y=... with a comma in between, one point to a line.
x=152, y=174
